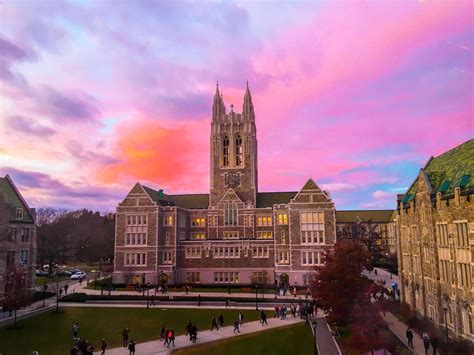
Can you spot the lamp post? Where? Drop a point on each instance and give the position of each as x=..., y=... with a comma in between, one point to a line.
x=275, y=281
x=256, y=297
x=445, y=309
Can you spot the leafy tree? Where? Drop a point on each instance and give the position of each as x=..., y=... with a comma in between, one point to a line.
x=17, y=295
x=366, y=234
x=339, y=284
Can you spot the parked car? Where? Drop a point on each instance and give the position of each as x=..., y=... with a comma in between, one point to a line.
x=78, y=276
x=73, y=271
x=63, y=273
x=40, y=273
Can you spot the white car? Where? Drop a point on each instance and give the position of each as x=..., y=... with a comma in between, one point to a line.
x=78, y=276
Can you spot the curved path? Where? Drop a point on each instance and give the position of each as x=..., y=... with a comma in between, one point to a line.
x=182, y=341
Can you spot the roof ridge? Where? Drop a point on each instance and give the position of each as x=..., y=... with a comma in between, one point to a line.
x=454, y=148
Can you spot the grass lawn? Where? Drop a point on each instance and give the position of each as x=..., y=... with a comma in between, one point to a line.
x=50, y=333
x=291, y=340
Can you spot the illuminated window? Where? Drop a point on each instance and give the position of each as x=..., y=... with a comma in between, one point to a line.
x=225, y=151
x=167, y=257
x=282, y=218
x=264, y=221
x=312, y=228
x=283, y=257
x=198, y=222
x=238, y=151
x=231, y=235
x=264, y=235
x=168, y=220
x=198, y=236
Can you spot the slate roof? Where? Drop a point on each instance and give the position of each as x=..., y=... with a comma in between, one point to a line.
x=201, y=201
x=449, y=170
x=14, y=200
x=376, y=216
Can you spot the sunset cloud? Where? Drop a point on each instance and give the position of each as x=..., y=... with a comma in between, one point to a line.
x=357, y=95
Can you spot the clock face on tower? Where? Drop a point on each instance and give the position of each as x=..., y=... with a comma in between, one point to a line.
x=232, y=180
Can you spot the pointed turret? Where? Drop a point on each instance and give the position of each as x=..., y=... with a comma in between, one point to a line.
x=247, y=109
x=218, y=108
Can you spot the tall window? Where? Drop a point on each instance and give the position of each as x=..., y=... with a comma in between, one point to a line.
x=462, y=234
x=312, y=228
x=225, y=151
x=230, y=213
x=238, y=151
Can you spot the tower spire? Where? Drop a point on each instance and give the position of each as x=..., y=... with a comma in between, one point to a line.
x=248, y=105
x=218, y=107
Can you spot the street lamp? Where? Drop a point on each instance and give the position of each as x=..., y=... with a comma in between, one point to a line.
x=256, y=297
x=275, y=281
x=445, y=309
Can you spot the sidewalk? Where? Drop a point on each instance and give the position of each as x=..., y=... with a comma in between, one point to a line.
x=182, y=341
x=399, y=329
x=268, y=296
x=326, y=342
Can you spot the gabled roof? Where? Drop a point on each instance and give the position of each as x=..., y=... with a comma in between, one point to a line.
x=449, y=170
x=376, y=216
x=14, y=200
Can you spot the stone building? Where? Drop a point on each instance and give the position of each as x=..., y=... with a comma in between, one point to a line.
x=234, y=233
x=17, y=233
x=381, y=222
x=436, y=246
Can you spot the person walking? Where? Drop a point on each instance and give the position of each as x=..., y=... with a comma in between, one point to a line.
x=125, y=332
x=434, y=344
x=162, y=332
x=167, y=339
x=426, y=342
x=409, y=334
x=236, y=326
x=214, y=324
x=221, y=321
x=277, y=312
x=188, y=327
x=199, y=300
x=227, y=303
x=103, y=346
x=194, y=331
x=263, y=317
x=65, y=288
x=75, y=330
x=171, y=337
x=131, y=347
x=241, y=318
x=152, y=300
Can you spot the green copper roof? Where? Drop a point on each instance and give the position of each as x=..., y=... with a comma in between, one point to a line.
x=454, y=168
x=13, y=199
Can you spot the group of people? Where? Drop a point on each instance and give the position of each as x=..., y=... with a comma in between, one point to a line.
x=130, y=345
x=83, y=346
x=191, y=331
x=426, y=341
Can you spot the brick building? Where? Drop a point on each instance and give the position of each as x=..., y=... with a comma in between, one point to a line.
x=436, y=245
x=382, y=222
x=233, y=234
x=17, y=232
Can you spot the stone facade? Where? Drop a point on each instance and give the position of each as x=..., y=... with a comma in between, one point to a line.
x=436, y=248
x=234, y=234
x=18, y=233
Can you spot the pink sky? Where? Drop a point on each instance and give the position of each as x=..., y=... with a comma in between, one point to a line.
x=357, y=95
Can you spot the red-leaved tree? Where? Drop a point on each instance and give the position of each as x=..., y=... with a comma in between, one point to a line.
x=339, y=283
x=16, y=294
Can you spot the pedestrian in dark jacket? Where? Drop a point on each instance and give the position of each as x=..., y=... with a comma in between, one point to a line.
x=221, y=321
x=409, y=335
x=125, y=332
x=131, y=347
x=103, y=346
x=426, y=342
x=434, y=344
x=170, y=337
x=162, y=332
x=263, y=318
x=167, y=339
x=236, y=326
x=214, y=323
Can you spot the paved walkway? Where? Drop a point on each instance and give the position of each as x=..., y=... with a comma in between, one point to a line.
x=399, y=329
x=326, y=343
x=182, y=341
x=82, y=288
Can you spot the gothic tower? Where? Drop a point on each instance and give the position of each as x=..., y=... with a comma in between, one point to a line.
x=233, y=151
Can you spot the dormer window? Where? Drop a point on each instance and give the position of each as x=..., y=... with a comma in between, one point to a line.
x=19, y=213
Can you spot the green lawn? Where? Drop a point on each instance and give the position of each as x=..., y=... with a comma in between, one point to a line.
x=291, y=340
x=50, y=333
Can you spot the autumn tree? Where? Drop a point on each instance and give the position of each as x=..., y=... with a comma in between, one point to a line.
x=365, y=233
x=339, y=283
x=17, y=295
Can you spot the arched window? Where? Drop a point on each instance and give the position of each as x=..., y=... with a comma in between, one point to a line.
x=225, y=151
x=467, y=319
x=230, y=213
x=238, y=151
